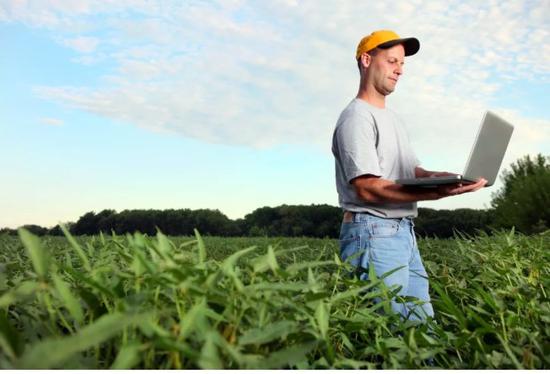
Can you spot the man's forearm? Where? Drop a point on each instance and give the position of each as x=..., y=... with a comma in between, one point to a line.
x=378, y=190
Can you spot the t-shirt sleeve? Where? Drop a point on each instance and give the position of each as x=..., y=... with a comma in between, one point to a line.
x=416, y=161
x=356, y=142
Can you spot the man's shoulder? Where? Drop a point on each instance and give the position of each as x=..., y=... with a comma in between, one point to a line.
x=355, y=110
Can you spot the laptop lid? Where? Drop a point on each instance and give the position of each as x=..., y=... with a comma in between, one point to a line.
x=489, y=148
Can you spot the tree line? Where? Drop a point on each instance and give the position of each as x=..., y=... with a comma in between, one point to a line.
x=319, y=221
x=523, y=202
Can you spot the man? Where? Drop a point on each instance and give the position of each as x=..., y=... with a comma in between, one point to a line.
x=371, y=151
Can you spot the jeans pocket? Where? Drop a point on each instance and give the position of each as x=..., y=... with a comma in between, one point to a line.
x=350, y=250
x=350, y=242
x=384, y=228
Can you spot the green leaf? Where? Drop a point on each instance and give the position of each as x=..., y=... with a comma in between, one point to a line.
x=128, y=356
x=229, y=262
x=310, y=264
x=201, y=247
x=271, y=259
x=353, y=292
x=271, y=286
x=449, y=305
x=39, y=256
x=322, y=318
x=287, y=357
x=164, y=249
x=193, y=318
x=228, y=266
x=69, y=300
x=210, y=358
x=52, y=352
x=76, y=247
x=10, y=340
x=23, y=291
x=149, y=265
x=267, y=333
x=94, y=284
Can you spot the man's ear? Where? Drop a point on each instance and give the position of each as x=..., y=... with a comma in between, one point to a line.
x=365, y=59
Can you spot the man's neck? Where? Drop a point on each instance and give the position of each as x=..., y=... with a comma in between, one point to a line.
x=373, y=98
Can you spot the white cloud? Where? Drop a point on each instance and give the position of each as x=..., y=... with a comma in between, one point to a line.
x=51, y=121
x=82, y=44
x=265, y=73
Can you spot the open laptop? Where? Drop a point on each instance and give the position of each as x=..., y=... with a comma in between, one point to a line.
x=485, y=158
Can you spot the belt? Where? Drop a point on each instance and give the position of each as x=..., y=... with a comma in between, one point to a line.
x=349, y=216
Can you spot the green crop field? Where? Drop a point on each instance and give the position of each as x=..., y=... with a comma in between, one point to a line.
x=156, y=302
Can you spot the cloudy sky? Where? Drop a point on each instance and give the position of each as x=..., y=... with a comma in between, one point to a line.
x=230, y=105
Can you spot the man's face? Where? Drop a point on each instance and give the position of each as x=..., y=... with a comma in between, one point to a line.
x=386, y=68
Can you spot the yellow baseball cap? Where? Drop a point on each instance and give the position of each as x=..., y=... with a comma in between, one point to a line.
x=386, y=39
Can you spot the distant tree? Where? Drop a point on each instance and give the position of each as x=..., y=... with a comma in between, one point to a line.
x=55, y=231
x=294, y=220
x=91, y=223
x=446, y=223
x=524, y=199
x=8, y=231
x=261, y=221
x=86, y=225
x=213, y=222
x=36, y=230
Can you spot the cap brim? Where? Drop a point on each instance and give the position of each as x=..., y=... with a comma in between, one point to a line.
x=411, y=45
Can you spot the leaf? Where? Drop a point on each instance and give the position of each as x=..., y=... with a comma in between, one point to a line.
x=353, y=292
x=149, y=265
x=52, y=352
x=267, y=333
x=322, y=318
x=76, y=247
x=163, y=248
x=201, y=247
x=270, y=286
x=70, y=301
x=449, y=305
x=10, y=340
x=271, y=259
x=337, y=260
x=230, y=261
x=39, y=256
x=193, y=318
x=94, y=284
x=210, y=358
x=228, y=266
x=128, y=356
x=23, y=290
x=287, y=357
x=294, y=268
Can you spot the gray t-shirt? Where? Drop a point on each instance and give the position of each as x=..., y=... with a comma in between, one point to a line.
x=371, y=140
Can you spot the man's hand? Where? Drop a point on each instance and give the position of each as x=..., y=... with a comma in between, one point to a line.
x=457, y=189
x=422, y=173
x=441, y=174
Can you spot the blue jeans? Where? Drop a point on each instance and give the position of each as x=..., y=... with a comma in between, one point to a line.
x=388, y=244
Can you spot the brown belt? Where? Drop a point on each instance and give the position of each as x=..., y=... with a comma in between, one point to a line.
x=348, y=216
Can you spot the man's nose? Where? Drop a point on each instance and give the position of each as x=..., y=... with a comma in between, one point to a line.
x=399, y=69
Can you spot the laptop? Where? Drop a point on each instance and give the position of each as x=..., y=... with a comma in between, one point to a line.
x=485, y=158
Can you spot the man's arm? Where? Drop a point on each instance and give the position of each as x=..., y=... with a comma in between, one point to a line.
x=378, y=190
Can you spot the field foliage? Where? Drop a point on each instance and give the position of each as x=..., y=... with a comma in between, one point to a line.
x=156, y=302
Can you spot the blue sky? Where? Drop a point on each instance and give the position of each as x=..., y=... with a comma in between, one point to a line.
x=231, y=105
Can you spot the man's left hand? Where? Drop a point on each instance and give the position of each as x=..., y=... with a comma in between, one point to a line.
x=457, y=189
